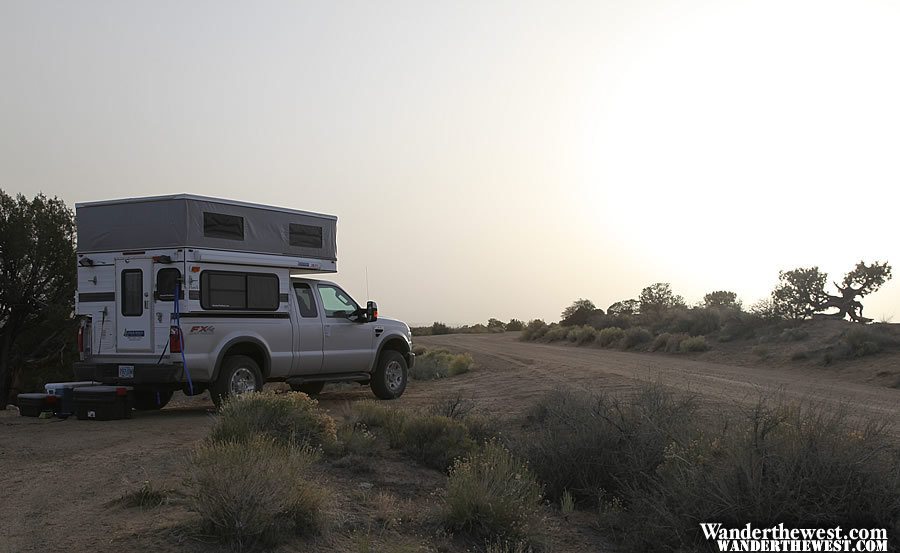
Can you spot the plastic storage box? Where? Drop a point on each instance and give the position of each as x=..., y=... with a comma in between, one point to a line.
x=32, y=405
x=103, y=403
x=65, y=394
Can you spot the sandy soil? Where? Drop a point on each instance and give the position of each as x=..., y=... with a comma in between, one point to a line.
x=59, y=479
x=512, y=374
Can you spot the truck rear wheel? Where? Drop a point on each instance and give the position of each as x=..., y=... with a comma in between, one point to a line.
x=389, y=379
x=150, y=399
x=239, y=375
x=309, y=388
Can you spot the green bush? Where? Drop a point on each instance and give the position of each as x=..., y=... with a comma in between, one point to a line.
x=254, y=492
x=287, y=418
x=491, y=494
x=636, y=336
x=592, y=445
x=693, y=344
x=660, y=342
x=673, y=344
x=806, y=467
x=534, y=330
x=611, y=336
x=555, y=333
x=436, y=441
x=439, y=328
x=582, y=335
x=440, y=363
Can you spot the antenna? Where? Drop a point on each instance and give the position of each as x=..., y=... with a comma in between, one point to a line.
x=368, y=297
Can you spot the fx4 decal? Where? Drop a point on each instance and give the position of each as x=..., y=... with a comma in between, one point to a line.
x=203, y=329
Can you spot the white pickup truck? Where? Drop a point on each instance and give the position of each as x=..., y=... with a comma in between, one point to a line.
x=191, y=293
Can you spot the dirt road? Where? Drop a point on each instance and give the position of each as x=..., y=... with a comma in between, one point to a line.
x=513, y=373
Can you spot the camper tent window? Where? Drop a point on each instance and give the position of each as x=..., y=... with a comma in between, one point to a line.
x=132, y=292
x=219, y=225
x=233, y=290
x=305, y=236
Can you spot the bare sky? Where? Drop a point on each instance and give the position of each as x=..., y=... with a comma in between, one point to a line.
x=485, y=158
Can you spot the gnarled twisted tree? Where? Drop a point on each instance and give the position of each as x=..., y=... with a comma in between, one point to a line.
x=801, y=293
x=861, y=281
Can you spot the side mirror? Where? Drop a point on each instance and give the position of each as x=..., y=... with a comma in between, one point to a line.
x=371, y=311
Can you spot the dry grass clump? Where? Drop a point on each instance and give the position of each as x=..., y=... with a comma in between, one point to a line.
x=291, y=418
x=147, y=496
x=440, y=363
x=673, y=344
x=383, y=419
x=555, y=333
x=254, y=492
x=491, y=494
x=660, y=342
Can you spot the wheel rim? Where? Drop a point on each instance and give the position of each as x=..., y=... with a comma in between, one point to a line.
x=242, y=382
x=393, y=376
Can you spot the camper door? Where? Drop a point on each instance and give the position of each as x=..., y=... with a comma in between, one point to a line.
x=134, y=326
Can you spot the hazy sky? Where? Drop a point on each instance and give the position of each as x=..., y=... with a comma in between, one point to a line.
x=485, y=158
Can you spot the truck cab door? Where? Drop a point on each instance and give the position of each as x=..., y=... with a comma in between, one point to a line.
x=134, y=308
x=308, y=330
x=348, y=344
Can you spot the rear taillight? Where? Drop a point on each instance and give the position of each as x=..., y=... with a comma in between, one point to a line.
x=81, y=338
x=174, y=339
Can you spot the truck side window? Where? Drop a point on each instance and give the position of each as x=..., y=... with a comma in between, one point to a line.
x=337, y=304
x=166, y=281
x=132, y=293
x=306, y=301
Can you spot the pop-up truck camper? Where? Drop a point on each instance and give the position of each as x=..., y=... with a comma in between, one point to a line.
x=192, y=293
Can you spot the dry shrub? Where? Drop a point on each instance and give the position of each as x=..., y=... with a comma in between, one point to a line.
x=693, y=344
x=387, y=421
x=610, y=337
x=534, y=330
x=436, y=441
x=254, y=492
x=635, y=337
x=286, y=418
x=582, y=335
x=492, y=494
x=555, y=333
x=804, y=466
x=660, y=342
x=589, y=445
x=673, y=344
x=440, y=363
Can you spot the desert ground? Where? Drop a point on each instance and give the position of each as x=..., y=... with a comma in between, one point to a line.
x=60, y=479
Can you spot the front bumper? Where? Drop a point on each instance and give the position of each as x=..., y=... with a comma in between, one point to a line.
x=108, y=373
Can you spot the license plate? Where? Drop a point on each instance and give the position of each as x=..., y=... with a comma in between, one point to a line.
x=126, y=371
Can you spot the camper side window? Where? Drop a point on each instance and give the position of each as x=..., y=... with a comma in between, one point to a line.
x=233, y=290
x=166, y=281
x=219, y=225
x=132, y=293
x=305, y=236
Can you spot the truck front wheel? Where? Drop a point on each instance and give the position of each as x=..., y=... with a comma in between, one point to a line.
x=239, y=375
x=389, y=378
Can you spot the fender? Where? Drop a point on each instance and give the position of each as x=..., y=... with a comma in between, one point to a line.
x=384, y=341
x=240, y=340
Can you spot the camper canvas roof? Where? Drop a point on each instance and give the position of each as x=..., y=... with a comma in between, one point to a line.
x=188, y=221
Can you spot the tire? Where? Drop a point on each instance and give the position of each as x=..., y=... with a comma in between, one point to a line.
x=239, y=375
x=151, y=400
x=309, y=388
x=389, y=378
